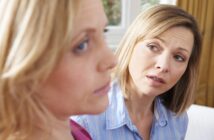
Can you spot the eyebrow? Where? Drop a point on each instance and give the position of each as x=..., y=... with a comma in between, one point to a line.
x=92, y=28
x=179, y=48
x=162, y=40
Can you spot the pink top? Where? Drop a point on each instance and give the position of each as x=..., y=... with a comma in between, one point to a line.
x=78, y=132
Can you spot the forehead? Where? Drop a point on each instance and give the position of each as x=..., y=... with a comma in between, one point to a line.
x=90, y=14
x=181, y=36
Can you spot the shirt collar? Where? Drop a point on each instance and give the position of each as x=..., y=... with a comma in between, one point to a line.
x=160, y=113
x=116, y=114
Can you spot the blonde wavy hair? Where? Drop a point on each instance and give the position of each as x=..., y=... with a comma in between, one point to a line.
x=33, y=36
x=149, y=24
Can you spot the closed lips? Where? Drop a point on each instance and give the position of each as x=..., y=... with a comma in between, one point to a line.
x=155, y=78
x=103, y=89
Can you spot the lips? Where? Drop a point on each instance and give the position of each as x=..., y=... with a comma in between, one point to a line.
x=103, y=90
x=156, y=79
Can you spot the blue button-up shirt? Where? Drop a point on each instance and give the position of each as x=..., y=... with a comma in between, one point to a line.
x=115, y=123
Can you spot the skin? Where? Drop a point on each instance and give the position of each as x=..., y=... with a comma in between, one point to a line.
x=80, y=82
x=156, y=65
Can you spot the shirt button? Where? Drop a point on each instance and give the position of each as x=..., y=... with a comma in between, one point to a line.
x=162, y=123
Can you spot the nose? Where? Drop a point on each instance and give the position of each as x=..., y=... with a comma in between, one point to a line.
x=108, y=60
x=163, y=63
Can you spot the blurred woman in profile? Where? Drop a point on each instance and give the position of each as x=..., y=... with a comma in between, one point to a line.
x=54, y=63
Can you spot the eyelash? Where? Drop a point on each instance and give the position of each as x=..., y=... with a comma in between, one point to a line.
x=153, y=47
x=179, y=58
x=82, y=46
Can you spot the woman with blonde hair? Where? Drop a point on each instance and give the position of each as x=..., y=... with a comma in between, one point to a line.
x=54, y=63
x=154, y=80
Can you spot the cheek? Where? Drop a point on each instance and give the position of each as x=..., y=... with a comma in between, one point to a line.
x=139, y=63
x=68, y=79
x=177, y=74
x=69, y=74
x=66, y=87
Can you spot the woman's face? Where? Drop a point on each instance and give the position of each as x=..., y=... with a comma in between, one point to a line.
x=80, y=82
x=158, y=63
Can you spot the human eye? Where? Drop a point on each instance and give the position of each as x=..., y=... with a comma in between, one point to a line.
x=82, y=46
x=153, y=47
x=179, y=58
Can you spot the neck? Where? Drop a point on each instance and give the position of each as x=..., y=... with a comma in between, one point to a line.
x=139, y=105
x=141, y=113
x=52, y=129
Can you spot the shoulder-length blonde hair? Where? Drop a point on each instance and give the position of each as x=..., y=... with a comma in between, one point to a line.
x=33, y=36
x=151, y=23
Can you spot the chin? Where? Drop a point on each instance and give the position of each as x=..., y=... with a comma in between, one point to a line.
x=99, y=108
